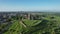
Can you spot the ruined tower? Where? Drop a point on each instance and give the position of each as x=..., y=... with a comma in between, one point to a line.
x=29, y=16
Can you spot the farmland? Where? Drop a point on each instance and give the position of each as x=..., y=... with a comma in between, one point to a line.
x=30, y=23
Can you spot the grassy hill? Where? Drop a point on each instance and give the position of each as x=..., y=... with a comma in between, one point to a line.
x=50, y=24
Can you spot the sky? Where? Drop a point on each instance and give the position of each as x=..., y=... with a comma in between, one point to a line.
x=29, y=5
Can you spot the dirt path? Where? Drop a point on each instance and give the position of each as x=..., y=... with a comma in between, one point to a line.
x=21, y=22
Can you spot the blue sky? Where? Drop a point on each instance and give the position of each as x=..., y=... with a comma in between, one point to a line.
x=29, y=5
